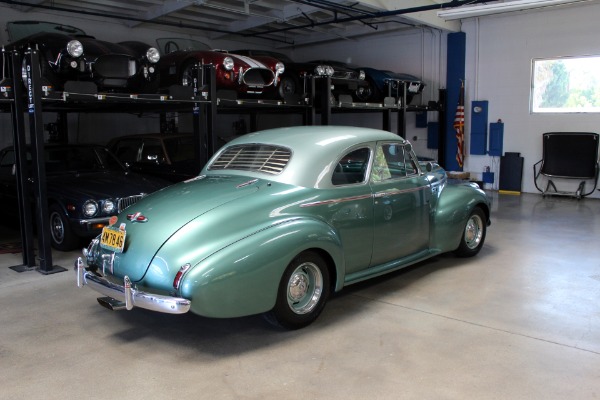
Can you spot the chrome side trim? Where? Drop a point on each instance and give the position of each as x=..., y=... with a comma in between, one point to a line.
x=336, y=201
x=362, y=197
x=395, y=192
x=130, y=296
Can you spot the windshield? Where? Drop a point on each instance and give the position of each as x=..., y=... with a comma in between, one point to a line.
x=20, y=29
x=169, y=45
x=61, y=160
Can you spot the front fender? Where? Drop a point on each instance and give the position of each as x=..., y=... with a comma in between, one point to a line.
x=243, y=278
x=455, y=204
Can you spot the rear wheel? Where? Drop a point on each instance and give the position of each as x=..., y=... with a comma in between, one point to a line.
x=473, y=234
x=303, y=292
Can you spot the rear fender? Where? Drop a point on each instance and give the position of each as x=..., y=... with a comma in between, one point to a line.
x=243, y=278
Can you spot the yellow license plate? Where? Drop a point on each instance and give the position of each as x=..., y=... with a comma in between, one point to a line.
x=112, y=239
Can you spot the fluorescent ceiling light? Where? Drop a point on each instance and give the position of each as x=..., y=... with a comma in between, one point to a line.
x=498, y=8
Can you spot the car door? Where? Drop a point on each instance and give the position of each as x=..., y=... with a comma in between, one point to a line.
x=351, y=210
x=401, y=209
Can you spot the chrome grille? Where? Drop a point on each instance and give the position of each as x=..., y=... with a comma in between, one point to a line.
x=127, y=201
x=253, y=157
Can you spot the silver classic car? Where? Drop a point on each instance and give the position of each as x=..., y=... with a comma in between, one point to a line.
x=278, y=220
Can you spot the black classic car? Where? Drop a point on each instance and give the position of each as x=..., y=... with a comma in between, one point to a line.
x=68, y=54
x=167, y=156
x=86, y=185
x=345, y=80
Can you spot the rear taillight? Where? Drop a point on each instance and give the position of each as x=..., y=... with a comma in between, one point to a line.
x=180, y=273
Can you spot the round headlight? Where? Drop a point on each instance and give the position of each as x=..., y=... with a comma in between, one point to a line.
x=108, y=207
x=90, y=208
x=328, y=70
x=228, y=63
x=153, y=55
x=75, y=48
x=279, y=67
x=361, y=74
x=319, y=70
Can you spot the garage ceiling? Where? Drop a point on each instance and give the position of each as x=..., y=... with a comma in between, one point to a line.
x=279, y=23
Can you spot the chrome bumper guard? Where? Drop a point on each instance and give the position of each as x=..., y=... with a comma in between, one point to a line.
x=128, y=295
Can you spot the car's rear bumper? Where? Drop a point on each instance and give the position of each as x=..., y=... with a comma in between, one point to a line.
x=129, y=296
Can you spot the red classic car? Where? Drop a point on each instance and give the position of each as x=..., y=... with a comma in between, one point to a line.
x=242, y=74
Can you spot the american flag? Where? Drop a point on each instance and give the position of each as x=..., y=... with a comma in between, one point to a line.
x=459, y=126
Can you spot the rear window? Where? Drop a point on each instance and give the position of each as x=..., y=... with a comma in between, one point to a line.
x=253, y=157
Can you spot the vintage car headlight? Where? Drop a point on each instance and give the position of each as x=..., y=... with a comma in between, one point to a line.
x=324, y=70
x=108, y=206
x=279, y=68
x=90, y=208
x=75, y=48
x=153, y=55
x=228, y=63
x=361, y=75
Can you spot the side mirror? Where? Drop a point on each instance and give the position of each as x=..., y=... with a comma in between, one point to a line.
x=429, y=166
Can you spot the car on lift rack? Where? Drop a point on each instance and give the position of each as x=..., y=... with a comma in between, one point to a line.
x=241, y=74
x=345, y=80
x=69, y=54
x=373, y=90
x=278, y=220
x=85, y=184
x=379, y=80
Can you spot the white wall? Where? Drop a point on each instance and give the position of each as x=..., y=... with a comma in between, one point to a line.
x=500, y=50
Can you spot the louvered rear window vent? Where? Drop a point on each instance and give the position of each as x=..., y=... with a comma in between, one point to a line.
x=254, y=157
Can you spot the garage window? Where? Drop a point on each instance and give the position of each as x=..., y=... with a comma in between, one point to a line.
x=566, y=85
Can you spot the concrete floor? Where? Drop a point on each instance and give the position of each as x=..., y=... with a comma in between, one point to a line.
x=519, y=321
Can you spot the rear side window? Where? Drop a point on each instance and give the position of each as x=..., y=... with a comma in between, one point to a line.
x=352, y=168
x=253, y=157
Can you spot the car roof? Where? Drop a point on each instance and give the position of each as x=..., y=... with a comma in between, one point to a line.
x=315, y=149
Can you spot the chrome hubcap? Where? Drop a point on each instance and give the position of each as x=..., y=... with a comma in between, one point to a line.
x=474, y=232
x=304, y=288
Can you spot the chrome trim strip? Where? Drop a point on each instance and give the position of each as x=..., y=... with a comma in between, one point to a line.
x=130, y=296
x=395, y=192
x=362, y=197
x=336, y=201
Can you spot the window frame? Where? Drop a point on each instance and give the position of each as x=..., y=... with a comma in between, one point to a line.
x=535, y=83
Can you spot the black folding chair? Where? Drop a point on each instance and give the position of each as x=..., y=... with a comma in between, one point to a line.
x=568, y=155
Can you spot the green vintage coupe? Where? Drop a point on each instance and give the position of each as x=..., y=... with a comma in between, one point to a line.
x=278, y=220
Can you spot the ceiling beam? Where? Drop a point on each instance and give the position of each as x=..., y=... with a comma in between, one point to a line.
x=167, y=7
x=426, y=17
